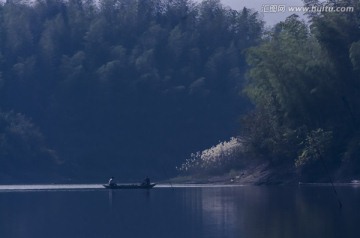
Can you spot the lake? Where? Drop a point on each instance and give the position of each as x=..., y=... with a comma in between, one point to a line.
x=86, y=211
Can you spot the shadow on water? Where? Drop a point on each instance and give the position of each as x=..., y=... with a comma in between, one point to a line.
x=111, y=194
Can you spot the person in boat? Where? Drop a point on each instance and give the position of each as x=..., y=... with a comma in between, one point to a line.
x=146, y=181
x=112, y=181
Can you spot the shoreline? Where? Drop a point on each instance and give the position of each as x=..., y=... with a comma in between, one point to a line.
x=262, y=174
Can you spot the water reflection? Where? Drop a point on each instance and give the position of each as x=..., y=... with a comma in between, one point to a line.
x=274, y=212
x=111, y=194
x=219, y=212
x=196, y=212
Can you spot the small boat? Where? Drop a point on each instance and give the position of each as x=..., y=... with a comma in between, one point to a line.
x=130, y=186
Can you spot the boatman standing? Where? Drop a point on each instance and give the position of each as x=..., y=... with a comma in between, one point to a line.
x=146, y=181
x=112, y=181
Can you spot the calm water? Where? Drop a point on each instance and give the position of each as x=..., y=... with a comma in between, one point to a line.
x=80, y=211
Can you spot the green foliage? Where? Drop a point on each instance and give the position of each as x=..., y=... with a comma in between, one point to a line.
x=103, y=78
x=304, y=82
x=22, y=146
x=288, y=68
x=355, y=55
x=316, y=144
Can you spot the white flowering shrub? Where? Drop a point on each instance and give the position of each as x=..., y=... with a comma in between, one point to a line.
x=215, y=159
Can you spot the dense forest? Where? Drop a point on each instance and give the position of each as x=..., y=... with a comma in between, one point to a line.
x=130, y=88
x=127, y=88
x=304, y=83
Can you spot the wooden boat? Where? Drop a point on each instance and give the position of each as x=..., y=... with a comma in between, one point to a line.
x=130, y=186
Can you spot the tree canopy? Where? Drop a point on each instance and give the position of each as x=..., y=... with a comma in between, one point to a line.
x=133, y=87
x=305, y=84
x=123, y=87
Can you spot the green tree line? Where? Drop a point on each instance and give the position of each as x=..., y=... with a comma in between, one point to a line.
x=119, y=86
x=304, y=82
x=133, y=87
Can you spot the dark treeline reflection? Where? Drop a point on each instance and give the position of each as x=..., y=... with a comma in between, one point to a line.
x=241, y=212
x=117, y=86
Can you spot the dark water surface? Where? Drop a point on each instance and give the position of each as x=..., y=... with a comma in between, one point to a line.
x=81, y=211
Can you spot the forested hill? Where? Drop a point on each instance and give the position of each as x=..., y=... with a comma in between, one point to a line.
x=304, y=82
x=127, y=88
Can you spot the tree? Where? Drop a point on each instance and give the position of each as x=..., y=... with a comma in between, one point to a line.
x=310, y=78
x=102, y=78
x=23, y=151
